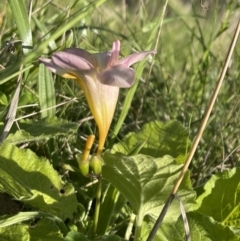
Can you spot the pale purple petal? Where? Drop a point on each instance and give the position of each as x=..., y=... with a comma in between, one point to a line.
x=115, y=53
x=83, y=54
x=106, y=59
x=133, y=58
x=117, y=75
x=55, y=69
x=48, y=63
x=102, y=60
x=71, y=62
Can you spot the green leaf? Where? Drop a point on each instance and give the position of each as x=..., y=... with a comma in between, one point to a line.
x=45, y=33
x=21, y=18
x=40, y=130
x=221, y=198
x=112, y=203
x=10, y=73
x=46, y=92
x=3, y=99
x=146, y=182
x=33, y=180
x=75, y=236
x=202, y=228
x=46, y=230
x=18, y=218
x=26, y=98
x=17, y=232
x=25, y=216
x=69, y=40
x=159, y=139
x=109, y=238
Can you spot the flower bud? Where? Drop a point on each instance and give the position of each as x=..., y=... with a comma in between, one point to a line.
x=96, y=164
x=83, y=165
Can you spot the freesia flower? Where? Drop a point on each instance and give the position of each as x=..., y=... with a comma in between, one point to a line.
x=100, y=76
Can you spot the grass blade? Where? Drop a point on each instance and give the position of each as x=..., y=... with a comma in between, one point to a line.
x=46, y=92
x=21, y=18
x=63, y=28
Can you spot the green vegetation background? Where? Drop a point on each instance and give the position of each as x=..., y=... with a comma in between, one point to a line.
x=191, y=50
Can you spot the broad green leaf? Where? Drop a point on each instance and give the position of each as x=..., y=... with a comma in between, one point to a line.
x=202, y=228
x=18, y=218
x=109, y=238
x=159, y=139
x=33, y=180
x=21, y=19
x=75, y=236
x=46, y=92
x=146, y=182
x=18, y=232
x=26, y=216
x=46, y=230
x=221, y=198
x=42, y=129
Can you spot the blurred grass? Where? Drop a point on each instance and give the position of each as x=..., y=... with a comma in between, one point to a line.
x=191, y=51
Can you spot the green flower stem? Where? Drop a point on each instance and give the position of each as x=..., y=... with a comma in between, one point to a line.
x=97, y=207
x=130, y=226
x=139, y=220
